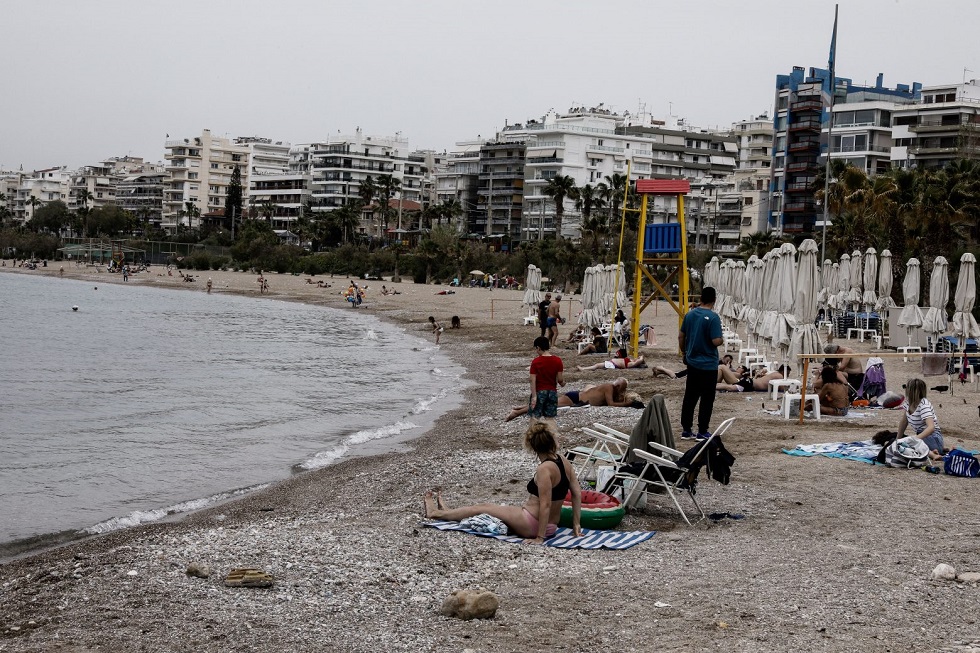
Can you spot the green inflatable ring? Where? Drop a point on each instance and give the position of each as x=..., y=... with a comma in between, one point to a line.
x=599, y=511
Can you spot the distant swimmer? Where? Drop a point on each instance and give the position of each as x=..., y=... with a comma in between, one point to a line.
x=74, y=308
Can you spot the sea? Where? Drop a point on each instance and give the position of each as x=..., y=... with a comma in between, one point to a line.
x=122, y=404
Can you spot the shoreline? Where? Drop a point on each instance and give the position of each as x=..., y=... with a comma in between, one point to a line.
x=818, y=562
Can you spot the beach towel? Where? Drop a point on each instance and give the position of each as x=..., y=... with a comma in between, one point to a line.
x=864, y=451
x=563, y=538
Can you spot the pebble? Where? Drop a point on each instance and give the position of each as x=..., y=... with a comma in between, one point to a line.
x=969, y=577
x=943, y=572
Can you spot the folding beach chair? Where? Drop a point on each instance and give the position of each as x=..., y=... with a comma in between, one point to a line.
x=605, y=449
x=666, y=473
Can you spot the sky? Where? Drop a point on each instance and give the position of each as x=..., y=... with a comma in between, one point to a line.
x=89, y=80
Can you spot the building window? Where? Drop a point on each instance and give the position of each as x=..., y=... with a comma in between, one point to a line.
x=214, y=166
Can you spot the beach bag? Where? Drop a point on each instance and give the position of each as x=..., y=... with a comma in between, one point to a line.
x=907, y=452
x=961, y=463
x=485, y=524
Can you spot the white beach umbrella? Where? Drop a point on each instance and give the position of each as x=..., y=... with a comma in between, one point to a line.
x=590, y=315
x=823, y=295
x=935, y=320
x=726, y=305
x=769, y=297
x=617, y=287
x=786, y=299
x=753, y=273
x=870, y=279
x=964, y=324
x=885, y=300
x=740, y=285
x=855, y=294
x=806, y=337
x=532, y=286
x=911, y=315
x=711, y=273
x=843, y=281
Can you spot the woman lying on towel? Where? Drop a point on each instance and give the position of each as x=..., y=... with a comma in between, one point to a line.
x=742, y=381
x=538, y=519
x=620, y=362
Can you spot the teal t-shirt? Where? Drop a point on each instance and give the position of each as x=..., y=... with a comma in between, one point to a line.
x=700, y=327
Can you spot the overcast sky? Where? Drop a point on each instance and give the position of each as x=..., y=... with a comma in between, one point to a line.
x=88, y=80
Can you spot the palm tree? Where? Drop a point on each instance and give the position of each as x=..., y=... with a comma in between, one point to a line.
x=558, y=188
x=347, y=219
x=450, y=210
x=191, y=211
x=34, y=202
x=387, y=188
x=428, y=251
x=617, y=191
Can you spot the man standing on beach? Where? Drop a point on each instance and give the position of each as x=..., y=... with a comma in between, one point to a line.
x=543, y=314
x=554, y=317
x=699, y=339
x=547, y=373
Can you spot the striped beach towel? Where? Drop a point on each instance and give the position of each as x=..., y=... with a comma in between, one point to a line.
x=563, y=538
x=864, y=451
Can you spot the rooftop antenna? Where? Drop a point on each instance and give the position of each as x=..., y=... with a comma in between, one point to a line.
x=965, y=71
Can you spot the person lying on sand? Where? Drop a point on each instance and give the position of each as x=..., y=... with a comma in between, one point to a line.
x=537, y=520
x=620, y=362
x=605, y=394
x=758, y=382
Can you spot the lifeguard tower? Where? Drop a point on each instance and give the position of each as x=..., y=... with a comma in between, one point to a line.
x=664, y=245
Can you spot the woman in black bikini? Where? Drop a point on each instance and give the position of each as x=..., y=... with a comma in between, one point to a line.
x=537, y=520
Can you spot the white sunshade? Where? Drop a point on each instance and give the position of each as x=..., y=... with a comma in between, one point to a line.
x=935, y=320
x=964, y=324
x=911, y=292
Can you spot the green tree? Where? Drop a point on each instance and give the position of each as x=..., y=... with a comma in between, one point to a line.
x=34, y=202
x=387, y=188
x=558, y=189
x=233, y=202
x=109, y=220
x=52, y=217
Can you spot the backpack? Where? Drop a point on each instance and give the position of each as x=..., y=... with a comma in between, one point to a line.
x=907, y=452
x=961, y=463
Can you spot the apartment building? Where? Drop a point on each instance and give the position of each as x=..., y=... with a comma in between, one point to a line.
x=9, y=183
x=591, y=144
x=939, y=127
x=265, y=156
x=750, y=180
x=459, y=181
x=800, y=144
x=142, y=195
x=39, y=188
x=340, y=164
x=500, y=192
x=200, y=171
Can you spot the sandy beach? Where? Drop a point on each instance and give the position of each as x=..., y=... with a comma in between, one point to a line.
x=831, y=555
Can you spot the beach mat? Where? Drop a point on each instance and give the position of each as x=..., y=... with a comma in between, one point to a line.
x=563, y=538
x=864, y=451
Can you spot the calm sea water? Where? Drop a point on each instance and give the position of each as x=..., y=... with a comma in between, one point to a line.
x=148, y=402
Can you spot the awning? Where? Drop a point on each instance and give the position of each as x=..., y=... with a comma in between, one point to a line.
x=730, y=147
x=722, y=160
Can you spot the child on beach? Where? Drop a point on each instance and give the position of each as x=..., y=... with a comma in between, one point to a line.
x=547, y=373
x=436, y=328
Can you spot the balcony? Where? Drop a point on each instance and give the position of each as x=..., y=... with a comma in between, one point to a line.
x=803, y=146
x=806, y=105
x=925, y=151
x=543, y=160
x=798, y=187
x=805, y=125
x=799, y=207
x=604, y=148
x=801, y=166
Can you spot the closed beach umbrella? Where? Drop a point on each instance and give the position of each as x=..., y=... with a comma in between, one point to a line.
x=740, y=282
x=769, y=297
x=590, y=315
x=786, y=299
x=870, y=279
x=823, y=295
x=935, y=320
x=806, y=338
x=711, y=273
x=843, y=281
x=964, y=324
x=855, y=294
x=911, y=316
x=753, y=271
x=885, y=300
x=532, y=286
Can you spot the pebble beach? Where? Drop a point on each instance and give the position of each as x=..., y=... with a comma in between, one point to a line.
x=825, y=552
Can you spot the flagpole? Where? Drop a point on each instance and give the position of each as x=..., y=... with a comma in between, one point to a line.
x=830, y=140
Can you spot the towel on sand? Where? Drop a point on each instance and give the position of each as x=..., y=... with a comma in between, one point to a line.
x=864, y=451
x=563, y=538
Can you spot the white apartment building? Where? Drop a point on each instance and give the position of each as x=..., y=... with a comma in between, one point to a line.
x=200, y=171
x=590, y=144
x=942, y=126
x=265, y=156
x=48, y=185
x=459, y=180
x=9, y=183
x=754, y=138
x=142, y=195
x=340, y=164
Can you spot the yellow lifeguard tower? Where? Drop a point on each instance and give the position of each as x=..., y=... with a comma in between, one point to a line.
x=662, y=244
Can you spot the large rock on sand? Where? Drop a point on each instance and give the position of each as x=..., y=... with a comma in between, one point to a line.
x=470, y=604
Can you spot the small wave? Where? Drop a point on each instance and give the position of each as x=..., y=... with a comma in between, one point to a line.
x=370, y=335
x=146, y=516
x=422, y=405
x=325, y=458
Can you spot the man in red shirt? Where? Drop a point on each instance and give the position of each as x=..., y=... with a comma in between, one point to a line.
x=547, y=373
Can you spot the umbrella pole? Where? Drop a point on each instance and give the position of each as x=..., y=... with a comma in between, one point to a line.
x=805, y=383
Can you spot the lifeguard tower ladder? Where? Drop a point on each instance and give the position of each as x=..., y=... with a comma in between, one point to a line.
x=662, y=245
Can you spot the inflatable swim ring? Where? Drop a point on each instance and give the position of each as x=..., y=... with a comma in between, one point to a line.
x=599, y=511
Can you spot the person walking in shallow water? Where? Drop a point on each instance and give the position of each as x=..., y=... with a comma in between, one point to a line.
x=209, y=285
x=436, y=327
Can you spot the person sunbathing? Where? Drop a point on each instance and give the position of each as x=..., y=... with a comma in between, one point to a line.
x=620, y=362
x=537, y=520
x=605, y=394
x=758, y=382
